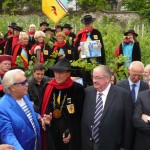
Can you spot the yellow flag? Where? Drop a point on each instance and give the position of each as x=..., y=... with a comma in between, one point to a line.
x=54, y=9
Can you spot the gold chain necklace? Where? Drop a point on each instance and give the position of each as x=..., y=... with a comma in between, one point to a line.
x=57, y=112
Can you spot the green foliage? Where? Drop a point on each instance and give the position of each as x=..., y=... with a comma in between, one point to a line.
x=142, y=6
x=111, y=30
x=93, y=4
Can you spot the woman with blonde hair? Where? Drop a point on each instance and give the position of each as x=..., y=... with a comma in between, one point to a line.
x=40, y=47
x=22, y=50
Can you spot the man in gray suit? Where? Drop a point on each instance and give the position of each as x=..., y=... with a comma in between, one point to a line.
x=136, y=70
x=107, y=114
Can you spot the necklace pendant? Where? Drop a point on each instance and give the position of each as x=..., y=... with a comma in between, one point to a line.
x=56, y=113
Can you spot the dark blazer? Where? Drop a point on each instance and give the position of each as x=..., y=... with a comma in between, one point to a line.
x=125, y=84
x=116, y=122
x=142, y=106
x=34, y=94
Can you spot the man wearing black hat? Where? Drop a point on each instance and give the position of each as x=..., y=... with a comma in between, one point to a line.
x=12, y=41
x=70, y=36
x=43, y=25
x=63, y=100
x=130, y=47
x=89, y=33
x=10, y=31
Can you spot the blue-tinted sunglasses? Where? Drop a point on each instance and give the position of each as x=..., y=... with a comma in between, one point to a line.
x=22, y=83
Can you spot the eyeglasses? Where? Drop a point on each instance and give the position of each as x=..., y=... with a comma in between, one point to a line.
x=97, y=78
x=22, y=83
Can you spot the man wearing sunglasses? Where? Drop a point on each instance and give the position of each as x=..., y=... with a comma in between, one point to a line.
x=19, y=124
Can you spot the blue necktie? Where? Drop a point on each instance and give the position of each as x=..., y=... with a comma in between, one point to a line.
x=133, y=92
x=97, y=117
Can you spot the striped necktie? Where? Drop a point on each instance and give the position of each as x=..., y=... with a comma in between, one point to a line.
x=97, y=117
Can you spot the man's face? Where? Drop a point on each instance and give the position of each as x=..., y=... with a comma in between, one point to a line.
x=38, y=75
x=32, y=29
x=43, y=27
x=100, y=81
x=61, y=77
x=88, y=26
x=135, y=74
x=5, y=66
x=65, y=30
x=20, y=87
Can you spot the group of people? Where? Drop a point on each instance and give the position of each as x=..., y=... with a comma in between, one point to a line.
x=57, y=113
x=101, y=116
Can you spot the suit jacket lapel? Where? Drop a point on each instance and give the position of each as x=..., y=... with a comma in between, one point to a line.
x=109, y=100
x=93, y=104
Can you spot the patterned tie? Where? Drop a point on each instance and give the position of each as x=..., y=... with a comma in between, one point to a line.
x=97, y=116
x=133, y=92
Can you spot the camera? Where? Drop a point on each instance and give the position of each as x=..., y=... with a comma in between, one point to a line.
x=127, y=37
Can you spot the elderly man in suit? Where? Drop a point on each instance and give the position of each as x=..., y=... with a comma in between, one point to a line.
x=134, y=84
x=107, y=114
x=141, y=121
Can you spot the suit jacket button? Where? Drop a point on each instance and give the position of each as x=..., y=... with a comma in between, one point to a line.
x=90, y=139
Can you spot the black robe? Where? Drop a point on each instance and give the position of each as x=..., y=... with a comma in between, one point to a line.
x=66, y=121
x=95, y=35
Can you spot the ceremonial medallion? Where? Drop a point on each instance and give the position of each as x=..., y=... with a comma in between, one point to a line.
x=56, y=113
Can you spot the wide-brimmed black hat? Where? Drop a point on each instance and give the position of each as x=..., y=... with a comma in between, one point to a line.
x=49, y=29
x=12, y=25
x=68, y=26
x=17, y=28
x=131, y=31
x=62, y=65
x=87, y=19
x=44, y=22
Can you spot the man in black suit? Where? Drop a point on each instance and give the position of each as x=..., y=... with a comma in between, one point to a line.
x=141, y=121
x=136, y=70
x=114, y=127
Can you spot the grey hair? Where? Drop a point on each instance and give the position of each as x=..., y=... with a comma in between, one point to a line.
x=10, y=78
x=136, y=63
x=104, y=70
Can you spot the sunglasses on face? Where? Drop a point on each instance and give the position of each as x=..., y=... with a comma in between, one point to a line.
x=22, y=83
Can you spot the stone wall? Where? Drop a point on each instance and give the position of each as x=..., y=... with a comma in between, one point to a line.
x=122, y=16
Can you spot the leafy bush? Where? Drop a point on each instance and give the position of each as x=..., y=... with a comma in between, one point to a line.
x=112, y=34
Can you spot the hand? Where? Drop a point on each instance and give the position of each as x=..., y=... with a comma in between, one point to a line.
x=66, y=139
x=41, y=120
x=145, y=118
x=37, y=48
x=79, y=48
x=47, y=118
x=6, y=147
